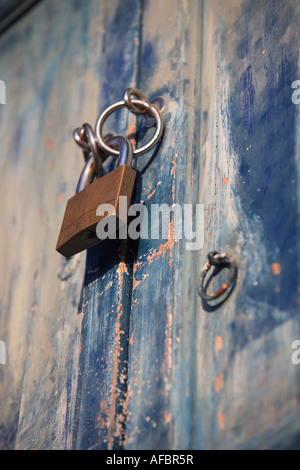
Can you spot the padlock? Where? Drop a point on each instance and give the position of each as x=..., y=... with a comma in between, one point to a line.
x=78, y=230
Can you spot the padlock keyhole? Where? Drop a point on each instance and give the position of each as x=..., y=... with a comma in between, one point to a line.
x=88, y=235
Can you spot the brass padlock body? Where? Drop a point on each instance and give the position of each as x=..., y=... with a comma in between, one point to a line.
x=78, y=230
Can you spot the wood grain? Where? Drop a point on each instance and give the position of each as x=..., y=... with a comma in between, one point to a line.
x=114, y=349
x=57, y=78
x=203, y=377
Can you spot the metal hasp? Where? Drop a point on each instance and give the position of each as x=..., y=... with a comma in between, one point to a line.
x=220, y=261
x=136, y=106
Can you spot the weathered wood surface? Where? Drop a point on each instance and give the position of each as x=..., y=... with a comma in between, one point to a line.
x=115, y=349
x=63, y=323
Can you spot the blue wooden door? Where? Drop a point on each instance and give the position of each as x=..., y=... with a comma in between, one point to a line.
x=114, y=348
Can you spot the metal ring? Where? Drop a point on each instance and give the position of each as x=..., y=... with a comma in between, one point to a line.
x=220, y=261
x=132, y=107
x=94, y=148
x=126, y=150
x=216, y=259
x=159, y=103
x=78, y=136
x=122, y=104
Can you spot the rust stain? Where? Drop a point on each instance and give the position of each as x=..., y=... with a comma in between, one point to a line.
x=100, y=418
x=165, y=247
x=219, y=383
x=168, y=245
x=60, y=198
x=222, y=290
x=167, y=417
x=225, y=181
x=108, y=286
x=151, y=194
x=276, y=269
x=218, y=344
x=174, y=163
x=131, y=129
x=49, y=143
x=161, y=251
x=114, y=391
x=122, y=269
x=221, y=417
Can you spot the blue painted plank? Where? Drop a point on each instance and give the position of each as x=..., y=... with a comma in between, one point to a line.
x=219, y=378
x=58, y=318
x=102, y=385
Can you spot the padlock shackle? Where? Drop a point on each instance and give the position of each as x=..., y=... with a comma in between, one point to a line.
x=89, y=171
x=85, y=138
x=87, y=175
x=125, y=148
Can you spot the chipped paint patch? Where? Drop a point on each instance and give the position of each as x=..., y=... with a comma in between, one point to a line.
x=218, y=344
x=108, y=286
x=138, y=282
x=276, y=269
x=151, y=194
x=68, y=267
x=60, y=198
x=167, y=417
x=174, y=164
x=221, y=417
x=219, y=383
